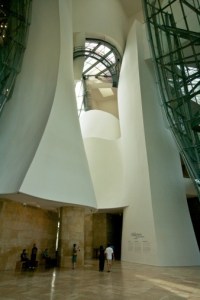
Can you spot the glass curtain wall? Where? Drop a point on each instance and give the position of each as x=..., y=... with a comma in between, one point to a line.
x=174, y=34
x=14, y=24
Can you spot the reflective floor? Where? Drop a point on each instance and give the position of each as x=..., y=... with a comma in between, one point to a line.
x=126, y=281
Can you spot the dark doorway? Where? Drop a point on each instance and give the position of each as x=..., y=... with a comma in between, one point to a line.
x=194, y=209
x=114, y=232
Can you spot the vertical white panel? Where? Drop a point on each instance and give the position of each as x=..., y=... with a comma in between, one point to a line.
x=25, y=115
x=157, y=226
x=59, y=170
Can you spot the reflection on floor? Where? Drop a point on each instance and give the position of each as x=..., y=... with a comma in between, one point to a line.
x=126, y=281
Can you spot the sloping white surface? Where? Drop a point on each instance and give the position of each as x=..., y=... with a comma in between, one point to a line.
x=105, y=162
x=25, y=115
x=96, y=123
x=59, y=171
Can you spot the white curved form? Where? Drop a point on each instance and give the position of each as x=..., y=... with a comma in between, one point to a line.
x=158, y=208
x=106, y=168
x=41, y=140
x=25, y=115
x=99, y=124
x=107, y=18
x=59, y=170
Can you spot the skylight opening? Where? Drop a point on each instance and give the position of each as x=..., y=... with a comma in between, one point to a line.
x=79, y=91
x=102, y=60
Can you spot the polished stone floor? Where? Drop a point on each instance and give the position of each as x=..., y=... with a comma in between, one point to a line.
x=126, y=281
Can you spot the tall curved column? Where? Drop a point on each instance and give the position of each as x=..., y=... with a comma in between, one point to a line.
x=60, y=161
x=71, y=232
x=156, y=225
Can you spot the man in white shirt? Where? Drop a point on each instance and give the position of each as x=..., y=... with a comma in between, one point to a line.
x=109, y=253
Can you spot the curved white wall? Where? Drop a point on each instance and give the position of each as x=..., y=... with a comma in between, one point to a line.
x=101, y=132
x=141, y=169
x=105, y=162
x=147, y=158
x=103, y=18
x=59, y=170
x=25, y=115
x=157, y=226
x=99, y=124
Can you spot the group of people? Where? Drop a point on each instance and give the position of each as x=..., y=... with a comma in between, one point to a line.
x=104, y=254
x=32, y=262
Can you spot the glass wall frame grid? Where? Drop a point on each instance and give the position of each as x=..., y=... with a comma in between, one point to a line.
x=15, y=16
x=174, y=35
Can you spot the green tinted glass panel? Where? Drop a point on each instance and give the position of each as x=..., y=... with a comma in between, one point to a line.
x=174, y=32
x=14, y=24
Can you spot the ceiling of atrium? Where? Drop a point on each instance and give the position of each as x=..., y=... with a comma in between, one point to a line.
x=131, y=6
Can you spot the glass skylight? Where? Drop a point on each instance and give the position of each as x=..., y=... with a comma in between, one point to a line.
x=101, y=60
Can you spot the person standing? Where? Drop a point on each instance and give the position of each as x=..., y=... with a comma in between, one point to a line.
x=109, y=256
x=75, y=250
x=33, y=256
x=101, y=259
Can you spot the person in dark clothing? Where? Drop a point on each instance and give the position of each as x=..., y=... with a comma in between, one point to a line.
x=25, y=260
x=101, y=259
x=33, y=256
x=24, y=256
x=34, y=253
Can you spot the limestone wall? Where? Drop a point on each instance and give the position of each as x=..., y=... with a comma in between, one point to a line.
x=88, y=228
x=22, y=226
x=99, y=230
x=71, y=232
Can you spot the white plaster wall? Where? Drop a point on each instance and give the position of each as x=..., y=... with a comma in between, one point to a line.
x=157, y=226
x=106, y=168
x=138, y=222
x=99, y=124
x=141, y=169
x=103, y=19
x=59, y=170
x=25, y=115
x=174, y=230
x=101, y=133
